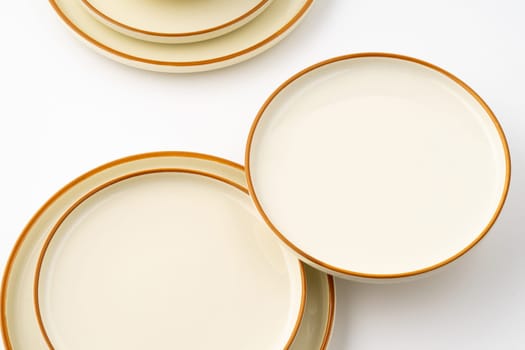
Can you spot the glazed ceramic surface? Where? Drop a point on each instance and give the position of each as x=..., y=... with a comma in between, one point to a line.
x=20, y=328
x=175, y=21
x=377, y=166
x=256, y=36
x=153, y=245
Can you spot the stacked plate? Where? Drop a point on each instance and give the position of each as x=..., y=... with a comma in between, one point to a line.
x=164, y=251
x=373, y=167
x=181, y=36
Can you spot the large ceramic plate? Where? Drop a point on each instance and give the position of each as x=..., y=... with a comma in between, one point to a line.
x=377, y=166
x=20, y=328
x=256, y=36
x=175, y=21
x=166, y=258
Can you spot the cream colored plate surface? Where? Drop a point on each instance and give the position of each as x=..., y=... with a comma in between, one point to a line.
x=256, y=36
x=167, y=259
x=175, y=21
x=377, y=165
x=20, y=329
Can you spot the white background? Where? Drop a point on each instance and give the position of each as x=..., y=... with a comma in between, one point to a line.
x=65, y=109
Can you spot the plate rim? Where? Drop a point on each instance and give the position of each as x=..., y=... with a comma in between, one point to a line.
x=225, y=58
x=331, y=312
x=13, y=255
x=376, y=276
x=223, y=26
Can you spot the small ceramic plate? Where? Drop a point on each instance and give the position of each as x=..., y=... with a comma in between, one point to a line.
x=377, y=166
x=19, y=325
x=175, y=21
x=261, y=33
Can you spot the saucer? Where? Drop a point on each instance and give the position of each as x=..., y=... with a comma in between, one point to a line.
x=20, y=328
x=258, y=35
x=377, y=166
x=175, y=21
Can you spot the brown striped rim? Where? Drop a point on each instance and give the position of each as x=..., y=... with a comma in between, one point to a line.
x=331, y=313
x=20, y=241
x=345, y=272
x=253, y=11
x=240, y=53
